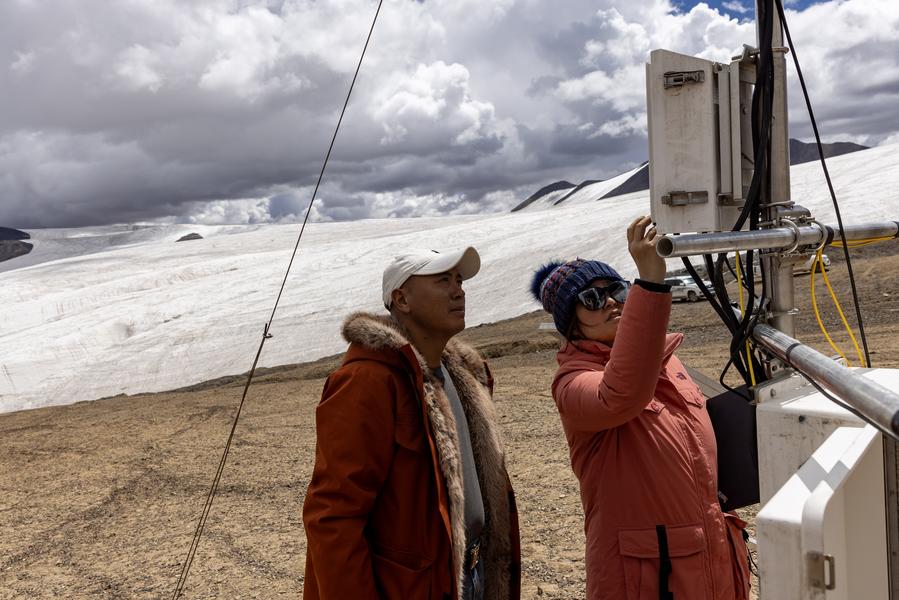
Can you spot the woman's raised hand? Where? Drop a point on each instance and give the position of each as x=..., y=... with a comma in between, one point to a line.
x=641, y=243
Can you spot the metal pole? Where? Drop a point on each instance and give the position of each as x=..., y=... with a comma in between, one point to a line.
x=878, y=404
x=734, y=241
x=777, y=238
x=779, y=280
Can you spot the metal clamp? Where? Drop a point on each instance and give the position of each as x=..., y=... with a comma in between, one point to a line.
x=795, y=227
x=729, y=200
x=786, y=203
x=747, y=53
x=679, y=78
x=823, y=229
x=818, y=577
x=680, y=198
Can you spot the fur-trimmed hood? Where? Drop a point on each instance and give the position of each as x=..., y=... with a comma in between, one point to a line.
x=377, y=333
x=382, y=339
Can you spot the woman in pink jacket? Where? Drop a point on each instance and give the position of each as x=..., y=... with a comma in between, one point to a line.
x=640, y=439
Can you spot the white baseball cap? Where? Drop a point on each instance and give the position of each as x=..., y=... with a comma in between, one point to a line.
x=427, y=262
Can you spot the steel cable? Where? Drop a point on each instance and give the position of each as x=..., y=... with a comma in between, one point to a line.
x=207, y=507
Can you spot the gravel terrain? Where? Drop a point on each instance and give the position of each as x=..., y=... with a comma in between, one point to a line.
x=100, y=499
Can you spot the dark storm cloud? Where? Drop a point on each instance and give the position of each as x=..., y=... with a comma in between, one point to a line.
x=221, y=110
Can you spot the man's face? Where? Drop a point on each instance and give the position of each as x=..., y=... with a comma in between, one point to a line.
x=435, y=303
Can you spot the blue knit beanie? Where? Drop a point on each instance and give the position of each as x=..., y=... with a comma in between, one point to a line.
x=556, y=285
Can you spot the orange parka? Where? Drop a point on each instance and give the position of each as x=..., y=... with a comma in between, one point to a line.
x=643, y=449
x=384, y=513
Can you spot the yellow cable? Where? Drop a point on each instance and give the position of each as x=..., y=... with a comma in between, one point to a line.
x=836, y=303
x=818, y=314
x=748, y=351
x=859, y=243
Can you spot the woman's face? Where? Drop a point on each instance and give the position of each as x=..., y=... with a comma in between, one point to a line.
x=599, y=325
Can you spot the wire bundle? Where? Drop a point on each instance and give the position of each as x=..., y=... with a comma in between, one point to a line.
x=741, y=356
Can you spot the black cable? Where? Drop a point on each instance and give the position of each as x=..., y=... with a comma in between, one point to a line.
x=753, y=566
x=738, y=342
x=722, y=310
x=713, y=301
x=842, y=404
x=733, y=273
x=759, y=190
x=188, y=562
x=720, y=303
x=701, y=285
x=762, y=112
x=836, y=206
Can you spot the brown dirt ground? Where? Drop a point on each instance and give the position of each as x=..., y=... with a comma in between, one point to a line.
x=100, y=499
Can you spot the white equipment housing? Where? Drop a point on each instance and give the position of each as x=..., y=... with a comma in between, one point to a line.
x=827, y=529
x=822, y=529
x=700, y=142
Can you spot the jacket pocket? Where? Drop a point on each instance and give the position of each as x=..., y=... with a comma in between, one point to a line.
x=740, y=559
x=639, y=550
x=401, y=575
x=655, y=406
x=690, y=392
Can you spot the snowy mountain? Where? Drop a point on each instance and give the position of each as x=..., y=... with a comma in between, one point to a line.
x=803, y=152
x=585, y=193
x=100, y=311
x=637, y=180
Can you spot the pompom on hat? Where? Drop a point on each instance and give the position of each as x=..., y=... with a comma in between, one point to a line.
x=556, y=285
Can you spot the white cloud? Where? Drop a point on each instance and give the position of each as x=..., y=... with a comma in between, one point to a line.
x=137, y=70
x=225, y=212
x=222, y=109
x=849, y=53
x=435, y=96
x=736, y=6
x=615, y=55
x=23, y=63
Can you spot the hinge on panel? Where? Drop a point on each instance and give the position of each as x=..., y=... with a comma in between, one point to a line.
x=821, y=570
x=684, y=198
x=679, y=78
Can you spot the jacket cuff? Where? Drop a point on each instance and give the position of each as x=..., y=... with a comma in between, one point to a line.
x=662, y=288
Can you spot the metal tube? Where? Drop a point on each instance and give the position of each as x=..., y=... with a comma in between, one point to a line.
x=780, y=283
x=866, y=231
x=783, y=308
x=875, y=402
x=777, y=238
x=692, y=244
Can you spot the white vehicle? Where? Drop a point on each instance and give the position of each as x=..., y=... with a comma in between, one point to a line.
x=806, y=265
x=800, y=268
x=685, y=289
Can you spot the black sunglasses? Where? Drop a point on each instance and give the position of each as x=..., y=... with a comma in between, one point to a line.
x=595, y=298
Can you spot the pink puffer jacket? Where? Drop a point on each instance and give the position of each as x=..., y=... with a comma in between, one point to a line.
x=643, y=450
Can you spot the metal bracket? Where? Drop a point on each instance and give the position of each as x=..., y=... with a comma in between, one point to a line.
x=684, y=198
x=823, y=234
x=729, y=200
x=819, y=577
x=747, y=53
x=679, y=78
x=780, y=313
x=790, y=223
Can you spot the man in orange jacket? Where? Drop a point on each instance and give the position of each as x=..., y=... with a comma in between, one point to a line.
x=409, y=497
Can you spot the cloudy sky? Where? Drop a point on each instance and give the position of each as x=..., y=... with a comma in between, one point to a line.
x=220, y=111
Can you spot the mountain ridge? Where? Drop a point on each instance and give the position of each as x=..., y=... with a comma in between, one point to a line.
x=800, y=153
